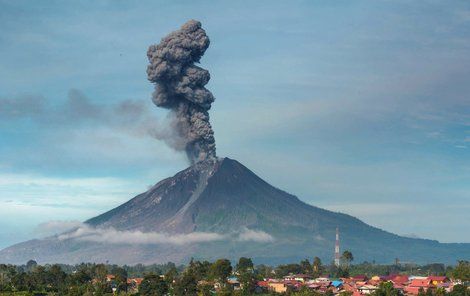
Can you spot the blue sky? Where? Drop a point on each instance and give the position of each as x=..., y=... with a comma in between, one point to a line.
x=355, y=106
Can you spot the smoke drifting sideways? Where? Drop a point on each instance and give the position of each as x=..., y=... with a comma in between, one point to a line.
x=179, y=86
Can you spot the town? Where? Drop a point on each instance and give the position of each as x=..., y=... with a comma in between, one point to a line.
x=242, y=278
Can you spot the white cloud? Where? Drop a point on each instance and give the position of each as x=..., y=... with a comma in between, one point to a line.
x=56, y=227
x=113, y=236
x=254, y=235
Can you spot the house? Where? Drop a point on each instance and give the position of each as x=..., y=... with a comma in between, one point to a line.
x=436, y=279
x=350, y=287
x=374, y=282
x=389, y=277
x=233, y=281
x=262, y=286
x=356, y=293
x=446, y=286
x=367, y=289
x=134, y=283
x=359, y=278
x=399, y=287
x=400, y=279
x=321, y=286
x=417, y=284
x=322, y=280
x=278, y=287
x=337, y=284
x=289, y=277
x=293, y=285
x=302, y=277
x=376, y=278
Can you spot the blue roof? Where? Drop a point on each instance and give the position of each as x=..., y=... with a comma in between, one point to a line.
x=336, y=284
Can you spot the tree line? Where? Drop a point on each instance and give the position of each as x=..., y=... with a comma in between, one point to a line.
x=196, y=278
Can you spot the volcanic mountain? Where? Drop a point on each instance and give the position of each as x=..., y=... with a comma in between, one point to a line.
x=219, y=208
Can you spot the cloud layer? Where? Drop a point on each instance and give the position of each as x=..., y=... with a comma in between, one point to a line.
x=254, y=235
x=113, y=236
x=56, y=227
x=133, y=117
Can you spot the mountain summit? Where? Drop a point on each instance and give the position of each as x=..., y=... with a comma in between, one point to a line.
x=219, y=208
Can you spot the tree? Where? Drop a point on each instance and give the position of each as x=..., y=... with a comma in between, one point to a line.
x=440, y=291
x=264, y=271
x=99, y=272
x=244, y=264
x=205, y=289
x=459, y=290
x=421, y=292
x=341, y=272
x=246, y=275
x=120, y=278
x=225, y=290
x=283, y=270
x=186, y=284
x=221, y=270
x=153, y=285
x=81, y=276
x=304, y=291
x=306, y=267
x=317, y=267
x=171, y=274
x=248, y=282
x=19, y=282
x=386, y=289
x=56, y=278
x=38, y=278
x=30, y=265
x=328, y=293
x=199, y=269
x=347, y=257
x=462, y=271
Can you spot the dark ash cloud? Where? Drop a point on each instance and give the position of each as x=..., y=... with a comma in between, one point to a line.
x=132, y=117
x=180, y=88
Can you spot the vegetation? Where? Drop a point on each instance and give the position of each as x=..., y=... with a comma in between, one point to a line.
x=200, y=277
x=461, y=271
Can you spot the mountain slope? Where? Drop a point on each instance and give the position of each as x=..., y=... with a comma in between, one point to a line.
x=224, y=197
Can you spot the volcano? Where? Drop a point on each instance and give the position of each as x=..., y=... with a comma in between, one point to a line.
x=237, y=214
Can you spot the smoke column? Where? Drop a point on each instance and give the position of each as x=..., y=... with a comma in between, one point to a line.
x=179, y=86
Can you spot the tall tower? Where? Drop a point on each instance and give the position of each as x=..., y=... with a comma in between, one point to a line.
x=337, y=248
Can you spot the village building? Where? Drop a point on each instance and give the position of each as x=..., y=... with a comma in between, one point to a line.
x=436, y=280
x=418, y=284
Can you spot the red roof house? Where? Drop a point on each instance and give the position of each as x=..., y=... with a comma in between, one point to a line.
x=400, y=279
x=437, y=279
x=416, y=284
x=263, y=284
x=360, y=277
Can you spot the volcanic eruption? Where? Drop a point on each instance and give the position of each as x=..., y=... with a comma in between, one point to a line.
x=179, y=86
x=217, y=207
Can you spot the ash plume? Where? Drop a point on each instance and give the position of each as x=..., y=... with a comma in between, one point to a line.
x=179, y=86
